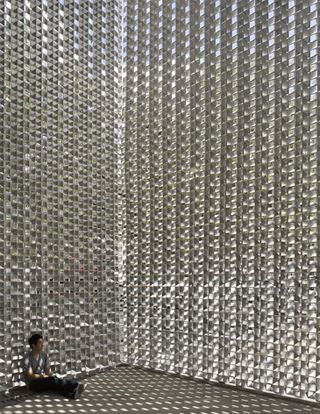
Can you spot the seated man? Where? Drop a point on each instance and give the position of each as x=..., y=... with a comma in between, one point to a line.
x=38, y=375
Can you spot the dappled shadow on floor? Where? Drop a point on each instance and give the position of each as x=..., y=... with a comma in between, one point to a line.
x=131, y=390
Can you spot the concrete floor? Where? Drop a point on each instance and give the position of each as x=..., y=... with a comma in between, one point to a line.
x=130, y=390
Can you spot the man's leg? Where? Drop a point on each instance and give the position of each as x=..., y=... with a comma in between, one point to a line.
x=63, y=386
x=66, y=386
x=42, y=384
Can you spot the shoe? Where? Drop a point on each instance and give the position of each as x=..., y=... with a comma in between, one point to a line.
x=79, y=390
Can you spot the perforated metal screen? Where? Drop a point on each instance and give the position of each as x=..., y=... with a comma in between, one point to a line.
x=215, y=188
x=58, y=190
x=221, y=184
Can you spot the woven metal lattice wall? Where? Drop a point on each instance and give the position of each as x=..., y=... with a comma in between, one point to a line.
x=221, y=184
x=59, y=111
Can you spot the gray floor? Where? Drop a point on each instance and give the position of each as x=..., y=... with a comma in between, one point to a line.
x=130, y=390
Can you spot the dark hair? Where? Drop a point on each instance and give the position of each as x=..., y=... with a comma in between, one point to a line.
x=34, y=339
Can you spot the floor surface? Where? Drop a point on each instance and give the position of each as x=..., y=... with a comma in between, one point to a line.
x=130, y=390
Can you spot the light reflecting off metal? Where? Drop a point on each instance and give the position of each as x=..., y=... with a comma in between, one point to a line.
x=221, y=185
x=171, y=220
x=58, y=189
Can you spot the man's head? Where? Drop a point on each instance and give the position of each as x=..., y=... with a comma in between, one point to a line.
x=36, y=342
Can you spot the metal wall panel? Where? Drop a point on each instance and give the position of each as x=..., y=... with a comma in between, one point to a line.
x=221, y=185
x=58, y=226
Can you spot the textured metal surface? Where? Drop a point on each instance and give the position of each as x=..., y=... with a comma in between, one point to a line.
x=59, y=114
x=220, y=178
x=221, y=184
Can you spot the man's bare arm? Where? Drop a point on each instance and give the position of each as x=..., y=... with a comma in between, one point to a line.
x=30, y=375
x=47, y=370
